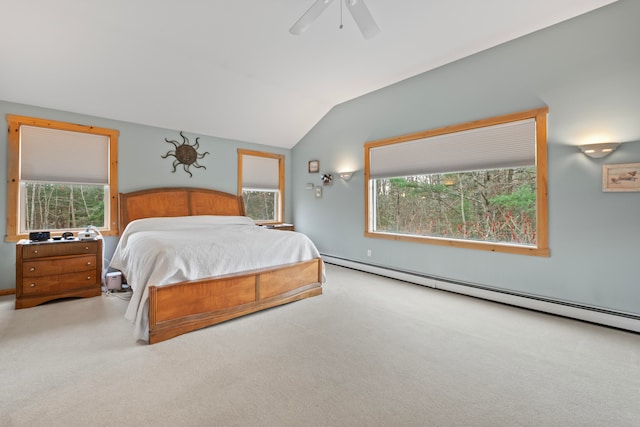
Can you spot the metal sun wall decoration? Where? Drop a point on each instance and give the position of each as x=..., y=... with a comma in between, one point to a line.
x=185, y=154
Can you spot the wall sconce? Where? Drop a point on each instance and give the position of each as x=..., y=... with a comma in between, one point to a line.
x=596, y=151
x=346, y=176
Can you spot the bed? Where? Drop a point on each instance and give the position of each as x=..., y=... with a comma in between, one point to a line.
x=184, y=277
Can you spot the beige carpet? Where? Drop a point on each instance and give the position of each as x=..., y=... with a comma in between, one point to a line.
x=369, y=352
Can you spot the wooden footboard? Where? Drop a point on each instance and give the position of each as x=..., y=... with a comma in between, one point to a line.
x=183, y=307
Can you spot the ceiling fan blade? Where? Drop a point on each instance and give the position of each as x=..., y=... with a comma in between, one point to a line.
x=363, y=18
x=309, y=16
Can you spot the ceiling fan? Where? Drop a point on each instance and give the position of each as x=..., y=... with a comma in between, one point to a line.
x=358, y=9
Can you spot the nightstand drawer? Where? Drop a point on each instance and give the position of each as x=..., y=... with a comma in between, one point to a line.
x=59, y=249
x=58, y=266
x=60, y=282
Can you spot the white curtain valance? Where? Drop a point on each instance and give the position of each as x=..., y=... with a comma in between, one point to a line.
x=260, y=172
x=492, y=147
x=63, y=156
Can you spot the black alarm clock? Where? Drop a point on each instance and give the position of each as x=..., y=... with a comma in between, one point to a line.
x=39, y=236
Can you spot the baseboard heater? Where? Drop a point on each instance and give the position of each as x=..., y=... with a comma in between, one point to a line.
x=616, y=319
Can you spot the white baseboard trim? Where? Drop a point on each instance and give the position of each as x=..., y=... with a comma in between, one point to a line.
x=591, y=314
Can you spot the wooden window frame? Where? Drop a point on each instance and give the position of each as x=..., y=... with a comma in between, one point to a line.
x=280, y=157
x=542, y=223
x=13, y=170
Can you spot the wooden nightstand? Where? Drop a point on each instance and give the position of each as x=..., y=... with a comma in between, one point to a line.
x=57, y=269
x=281, y=227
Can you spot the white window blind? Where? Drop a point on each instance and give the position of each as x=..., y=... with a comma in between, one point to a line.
x=260, y=172
x=492, y=147
x=63, y=156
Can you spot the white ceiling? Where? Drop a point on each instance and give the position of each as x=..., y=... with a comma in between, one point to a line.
x=230, y=68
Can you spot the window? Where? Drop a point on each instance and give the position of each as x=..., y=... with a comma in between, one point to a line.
x=261, y=184
x=479, y=185
x=62, y=177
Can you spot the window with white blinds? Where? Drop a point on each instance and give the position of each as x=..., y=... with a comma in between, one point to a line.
x=261, y=185
x=62, y=177
x=479, y=185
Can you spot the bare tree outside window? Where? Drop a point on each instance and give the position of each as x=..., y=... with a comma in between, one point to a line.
x=260, y=205
x=491, y=205
x=53, y=206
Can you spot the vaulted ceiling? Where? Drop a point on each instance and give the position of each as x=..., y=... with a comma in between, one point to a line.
x=230, y=68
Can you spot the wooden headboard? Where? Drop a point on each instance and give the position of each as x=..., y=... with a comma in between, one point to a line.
x=177, y=201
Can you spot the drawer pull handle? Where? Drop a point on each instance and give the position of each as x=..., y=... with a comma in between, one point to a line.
x=35, y=251
x=33, y=285
x=86, y=248
x=88, y=277
x=88, y=262
x=32, y=269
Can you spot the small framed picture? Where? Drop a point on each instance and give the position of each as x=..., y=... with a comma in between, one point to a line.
x=314, y=166
x=621, y=177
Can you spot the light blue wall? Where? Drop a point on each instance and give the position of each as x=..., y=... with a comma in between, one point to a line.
x=587, y=72
x=139, y=166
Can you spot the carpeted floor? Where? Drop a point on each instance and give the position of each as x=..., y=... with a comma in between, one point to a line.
x=369, y=352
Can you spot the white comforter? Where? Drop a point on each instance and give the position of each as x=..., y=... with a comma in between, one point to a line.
x=160, y=251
